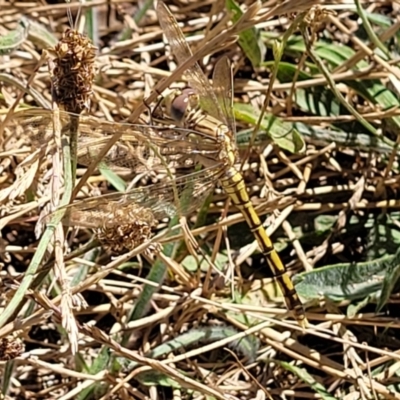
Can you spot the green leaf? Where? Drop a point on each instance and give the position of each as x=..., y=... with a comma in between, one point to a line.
x=309, y=380
x=7, y=373
x=354, y=309
x=321, y=137
x=246, y=346
x=155, y=378
x=324, y=223
x=249, y=39
x=193, y=264
x=383, y=235
x=351, y=281
x=82, y=270
x=389, y=283
x=381, y=20
x=336, y=54
x=347, y=281
x=284, y=134
x=372, y=90
x=286, y=72
x=113, y=178
x=318, y=101
x=13, y=39
x=99, y=364
x=342, y=138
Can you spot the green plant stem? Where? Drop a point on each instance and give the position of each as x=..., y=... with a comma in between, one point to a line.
x=16, y=303
x=371, y=34
x=332, y=85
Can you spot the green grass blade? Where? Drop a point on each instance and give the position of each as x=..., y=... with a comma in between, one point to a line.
x=12, y=40
x=309, y=380
x=249, y=39
x=15, y=304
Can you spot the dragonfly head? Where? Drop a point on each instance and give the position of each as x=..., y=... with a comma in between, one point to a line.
x=182, y=103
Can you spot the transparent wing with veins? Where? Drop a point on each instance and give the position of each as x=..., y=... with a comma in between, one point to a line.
x=164, y=199
x=223, y=89
x=176, y=156
x=141, y=148
x=194, y=73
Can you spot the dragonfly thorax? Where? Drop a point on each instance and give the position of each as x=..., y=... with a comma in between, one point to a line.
x=229, y=154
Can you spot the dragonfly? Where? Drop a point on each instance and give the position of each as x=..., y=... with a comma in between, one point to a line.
x=182, y=162
x=217, y=103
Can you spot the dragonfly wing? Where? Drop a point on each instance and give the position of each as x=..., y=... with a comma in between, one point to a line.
x=142, y=148
x=34, y=125
x=167, y=199
x=223, y=89
x=182, y=52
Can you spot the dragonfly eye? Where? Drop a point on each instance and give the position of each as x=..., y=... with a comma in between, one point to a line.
x=179, y=106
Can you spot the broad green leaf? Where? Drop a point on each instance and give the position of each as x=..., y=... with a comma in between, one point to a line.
x=336, y=54
x=342, y=138
x=389, y=283
x=287, y=71
x=374, y=90
x=381, y=20
x=347, y=281
x=351, y=281
x=321, y=137
x=324, y=222
x=246, y=346
x=281, y=133
x=382, y=234
x=318, y=101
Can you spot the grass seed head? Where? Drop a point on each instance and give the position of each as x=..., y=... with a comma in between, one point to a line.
x=73, y=73
x=126, y=228
x=10, y=347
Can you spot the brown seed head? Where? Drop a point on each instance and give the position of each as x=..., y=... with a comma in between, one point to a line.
x=10, y=348
x=73, y=73
x=126, y=228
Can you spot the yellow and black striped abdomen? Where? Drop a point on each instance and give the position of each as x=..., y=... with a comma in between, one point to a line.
x=234, y=186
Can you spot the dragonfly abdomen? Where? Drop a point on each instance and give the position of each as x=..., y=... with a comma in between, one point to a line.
x=235, y=187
